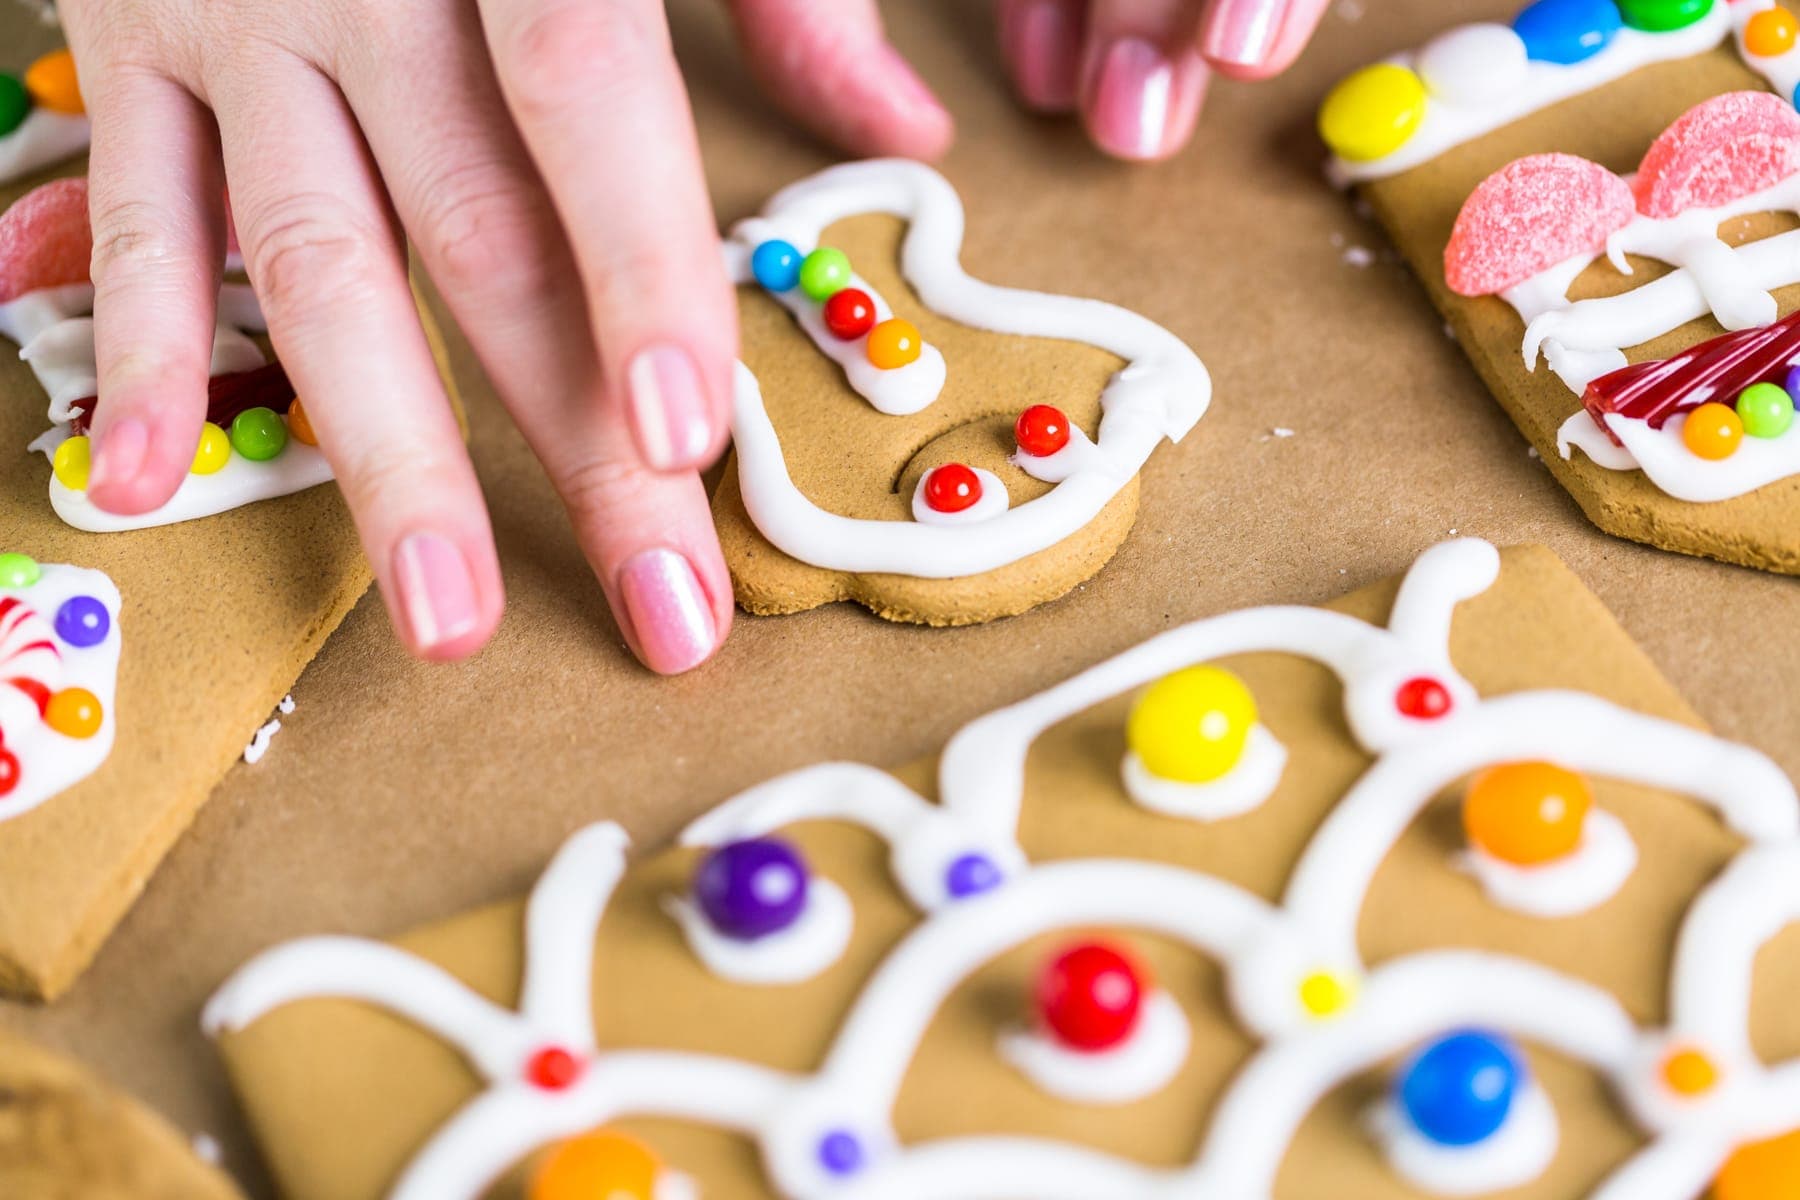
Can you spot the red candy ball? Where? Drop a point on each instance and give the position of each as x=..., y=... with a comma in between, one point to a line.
x=952, y=488
x=553, y=1069
x=1423, y=699
x=1089, y=996
x=1042, y=430
x=849, y=314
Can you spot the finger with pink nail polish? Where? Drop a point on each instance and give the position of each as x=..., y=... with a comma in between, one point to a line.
x=1142, y=79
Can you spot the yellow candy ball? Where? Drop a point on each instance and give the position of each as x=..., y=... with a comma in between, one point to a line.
x=214, y=450
x=1324, y=994
x=1191, y=726
x=74, y=712
x=597, y=1166
x=71, y=463
x=1371, y=113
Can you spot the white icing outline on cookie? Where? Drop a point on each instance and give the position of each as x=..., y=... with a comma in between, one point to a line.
x=1251, y=780
x=1162, y=391
x=810, y=945
x=1567, y=887
x=1140, y=1066
x=1515, y=1154
x=1267, y=951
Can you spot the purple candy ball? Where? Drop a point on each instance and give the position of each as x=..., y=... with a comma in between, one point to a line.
x=840, y=1152
x=972, y=874
x=752, y=888
x=1791, y=385
x=82, y=621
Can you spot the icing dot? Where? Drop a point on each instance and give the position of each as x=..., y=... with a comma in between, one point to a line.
x=1689, y=1073
x=9, y=771
x=840, y=1152
x=823, y=272
x=553, y=1068
x=894, y=343
x=952, y=488
x=1765, y=409
x=1041, y=430
x=749, y=889
x=1661, y=16
x=300, y=425
x=71, y=463
x=776, y=264
x=213, y=452
x=82, y=621
x=1458, y=1090
x=1422, y=698
x=52, y=84
x=1090, y=996
x=74, y=712
x=1191, y=726
x=849, y=314
x=1768, y=1170
x=258, y=434
x=1473, y=64
x=597, y=1166
x=18, y=571
x=1770, y=32
x=1712, y=431
x=971, y=874
x=15, y=104
x=1326, y=993
x=1567, y=31
x=1372, y=112
x=1527, y=813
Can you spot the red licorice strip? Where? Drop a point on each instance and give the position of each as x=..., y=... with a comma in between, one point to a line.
x=226, y=396
x=1713, y=370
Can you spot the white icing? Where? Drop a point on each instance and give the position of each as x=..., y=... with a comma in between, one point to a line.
x=990, y=504
x=1781, y=71
x=811, y=944
x=1249, y=782
x=259, y=741
x=1266, y=950
x=44, y=138
x=1160, y=394
x=1671, y=466
x=1517, y=1153
x=1078, y=455
x=1586, y=879
x=1580, y=431
x=1140, y=1066
x=239, y=482
x=50, y=762
x=1449, y=121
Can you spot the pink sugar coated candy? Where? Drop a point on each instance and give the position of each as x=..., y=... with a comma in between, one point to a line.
x=1530, y=215
x=45, y=240
x=1720, y=150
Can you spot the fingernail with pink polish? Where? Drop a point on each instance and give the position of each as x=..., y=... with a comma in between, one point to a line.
x=670, y=415
x=1242, y=31
x=436, y=590
x=1129, y=111
x=119, y=454
x=668, y=610
x=1045, y=50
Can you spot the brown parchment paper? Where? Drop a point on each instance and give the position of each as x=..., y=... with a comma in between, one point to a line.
x=398, y=792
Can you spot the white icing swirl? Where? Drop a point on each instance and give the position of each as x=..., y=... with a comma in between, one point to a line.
x=1250, y=781
x=1516, y=1153
x=1140, y=1066
x=811, y=944
x=1567, y=887
x=990, y=504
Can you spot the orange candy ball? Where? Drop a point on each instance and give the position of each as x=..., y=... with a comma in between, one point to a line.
x=894, y=343
x=1761, y=1171
x=597, y=1166
x=51, y=82
x=1527, y=813
x=1770, y=32
x=74, y=712
x=1713, y=431
x=1689, y=1073
x=299, y=425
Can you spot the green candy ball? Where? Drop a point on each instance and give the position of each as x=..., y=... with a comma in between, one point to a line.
x=17, y=571
x=259, y=434
x=1662, y=16
x=824, y=273
x=15, y=104
x=1766, y=410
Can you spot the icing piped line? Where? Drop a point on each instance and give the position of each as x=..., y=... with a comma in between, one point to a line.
x=1514, y=1155
x=1586, y=879
x=1138, y=1067
x=1238, y=791
x=809, y=946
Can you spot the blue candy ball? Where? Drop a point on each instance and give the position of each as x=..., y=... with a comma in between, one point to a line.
x=1567, y=31
x=82, y=621
x=776, y=264
x=971, y=874
x=752, y=888
x=840, y=1152
x=1458, y=1090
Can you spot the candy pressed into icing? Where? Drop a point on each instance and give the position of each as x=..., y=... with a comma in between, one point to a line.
x=1533, y=214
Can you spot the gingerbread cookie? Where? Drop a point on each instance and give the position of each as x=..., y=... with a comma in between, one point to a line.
x=1380, y=899
x=936, y=448
x=65, y=1134
x=1615, y=264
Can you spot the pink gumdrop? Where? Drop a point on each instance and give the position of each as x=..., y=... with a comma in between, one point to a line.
x=1720, y=150
x=1530, y=215
x=45, y=240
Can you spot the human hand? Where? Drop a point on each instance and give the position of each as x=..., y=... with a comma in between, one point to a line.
x=540, y=156
x=1137, y=70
